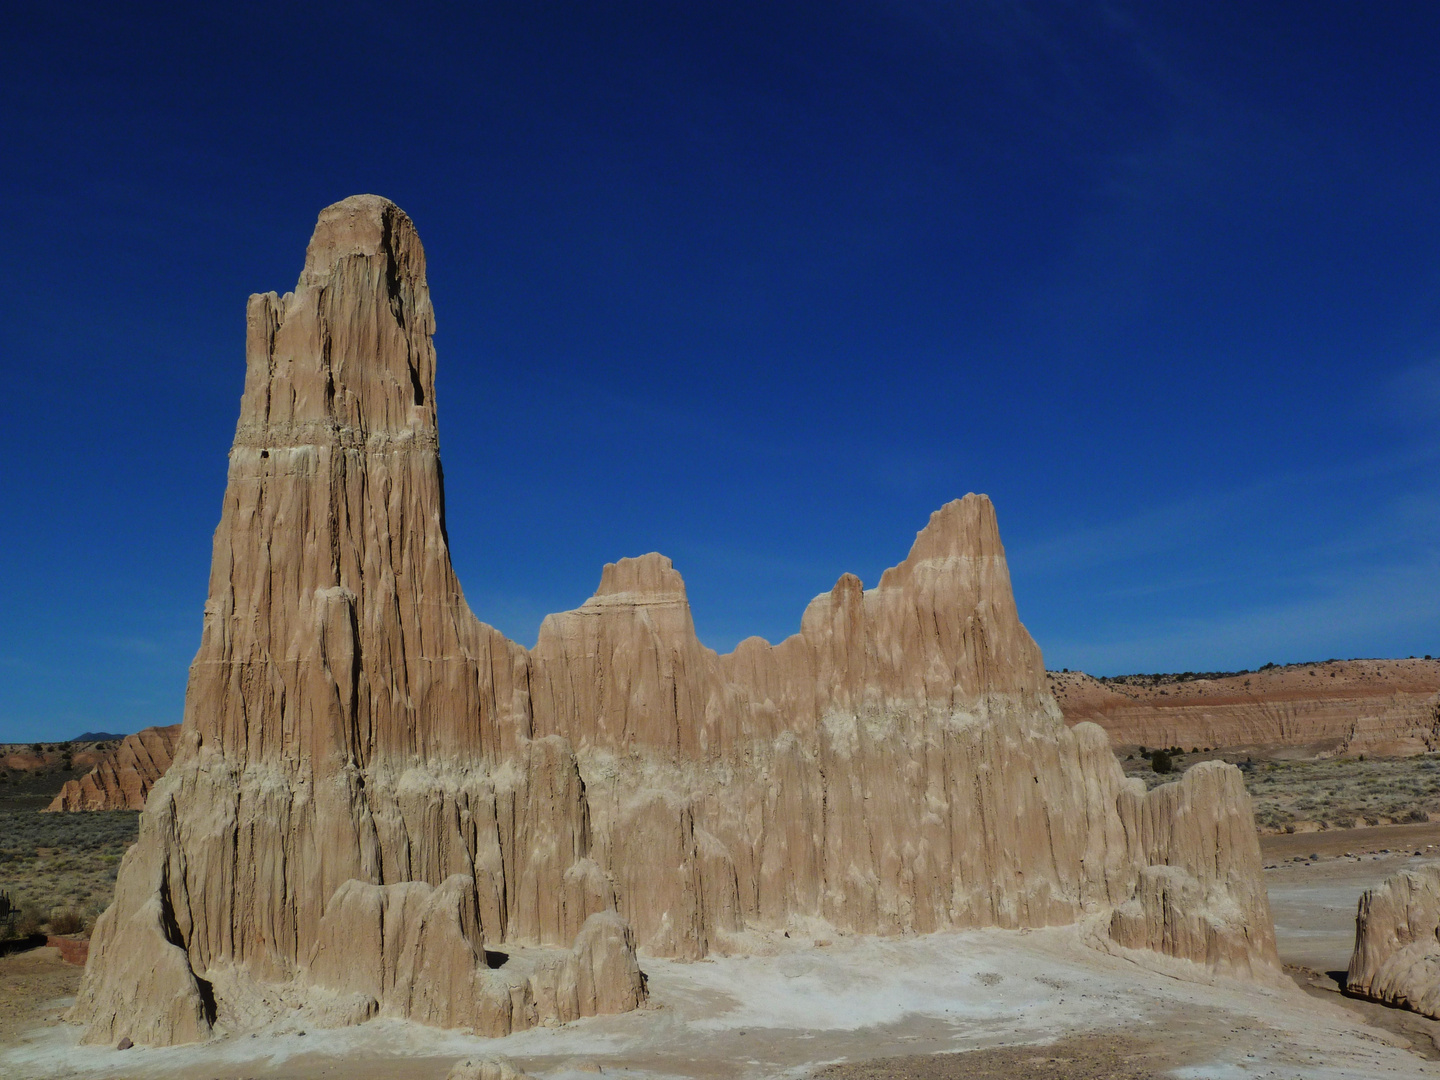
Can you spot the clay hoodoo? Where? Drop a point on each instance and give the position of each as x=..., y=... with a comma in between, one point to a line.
x=124, y=776
x=1397, y=942
x=375, y=794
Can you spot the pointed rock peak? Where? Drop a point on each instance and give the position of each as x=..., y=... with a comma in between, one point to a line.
x=645, y=578
x=962, y=528
x=364, y=225
x=848, y=589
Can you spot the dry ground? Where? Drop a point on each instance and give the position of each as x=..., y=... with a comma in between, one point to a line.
x=1323, y=794
x=987, y=1005
x=59, y=869
x=1084, y=1057
x=981, y=1005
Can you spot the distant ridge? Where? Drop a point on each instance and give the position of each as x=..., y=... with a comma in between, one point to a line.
x=99, y=736
x=1328, y=707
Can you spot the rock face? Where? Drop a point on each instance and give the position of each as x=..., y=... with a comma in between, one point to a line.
x=1378, y=707
x=377, y=799
x=124, y=776
x=1397, y=942
x=485, y=1069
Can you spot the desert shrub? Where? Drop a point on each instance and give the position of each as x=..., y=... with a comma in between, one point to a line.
x=68, y=921
x=1160, y=762
x=26, y=922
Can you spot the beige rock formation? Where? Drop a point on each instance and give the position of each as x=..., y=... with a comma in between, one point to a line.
x=1397, y=942
x=1339, y=707
x=496, y=1068
x=124, y=776
x=376, y=796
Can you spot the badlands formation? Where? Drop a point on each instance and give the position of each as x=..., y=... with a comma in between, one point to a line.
x=1338, y=707
x=124, y=776
x=381, y=806
x=1397, y=942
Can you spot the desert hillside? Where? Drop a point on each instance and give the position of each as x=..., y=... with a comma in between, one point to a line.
x=123, y=777
x=32, y=774
x=1337, y=707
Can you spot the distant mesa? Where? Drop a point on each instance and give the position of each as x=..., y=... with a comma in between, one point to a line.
x=1327, y=708
x=97, y=736
x=380, y=806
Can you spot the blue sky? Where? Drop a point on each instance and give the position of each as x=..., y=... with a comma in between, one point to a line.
x=758, y=286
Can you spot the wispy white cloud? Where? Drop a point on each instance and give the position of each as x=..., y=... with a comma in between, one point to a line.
x=1382, y=606
x=1253, y=578
x=1167, y=527
x=137, y=646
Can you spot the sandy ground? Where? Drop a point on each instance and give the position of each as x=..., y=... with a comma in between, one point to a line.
x=1039, y=1004
x=1313, y=901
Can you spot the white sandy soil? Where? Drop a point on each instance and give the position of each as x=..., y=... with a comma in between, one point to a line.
x=785, y=1014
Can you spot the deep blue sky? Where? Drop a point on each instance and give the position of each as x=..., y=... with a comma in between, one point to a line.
x=758, y=285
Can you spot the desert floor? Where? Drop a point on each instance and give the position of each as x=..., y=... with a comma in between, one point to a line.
x=1036, y=1004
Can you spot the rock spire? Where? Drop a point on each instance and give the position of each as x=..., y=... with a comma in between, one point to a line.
x=376, y=798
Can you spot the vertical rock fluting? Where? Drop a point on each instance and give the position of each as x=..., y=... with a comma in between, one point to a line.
x=897, y=766
x=374, y=792
x=354, y=741
x=1397, y=942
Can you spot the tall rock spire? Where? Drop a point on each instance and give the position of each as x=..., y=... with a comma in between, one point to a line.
x=338, y=663
x=335, y=628
x=372, y=788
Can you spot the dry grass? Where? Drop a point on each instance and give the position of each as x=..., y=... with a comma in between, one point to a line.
x=1343, y=793
x=59, y=869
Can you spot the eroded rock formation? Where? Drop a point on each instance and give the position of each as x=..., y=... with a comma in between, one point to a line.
x=124, y=776
x=1339, y=707
x=375, y=794
x=498, y=1068
x=1397, y=942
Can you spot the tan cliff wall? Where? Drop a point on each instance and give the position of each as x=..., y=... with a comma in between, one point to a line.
x=1379, y=707
x=374, y=793
x=122, y=779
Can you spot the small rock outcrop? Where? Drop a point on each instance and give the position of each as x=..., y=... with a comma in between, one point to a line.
x=381, y=806
x=1397, y=942
x=494, y=1068
x=122, y=779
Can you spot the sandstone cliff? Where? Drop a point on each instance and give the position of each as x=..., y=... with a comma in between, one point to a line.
x=1397, y=942
x=1377, y=707
x=379, y=805
x=124, y=776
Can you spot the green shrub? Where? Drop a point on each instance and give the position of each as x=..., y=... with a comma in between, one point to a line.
x=1160, y=762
